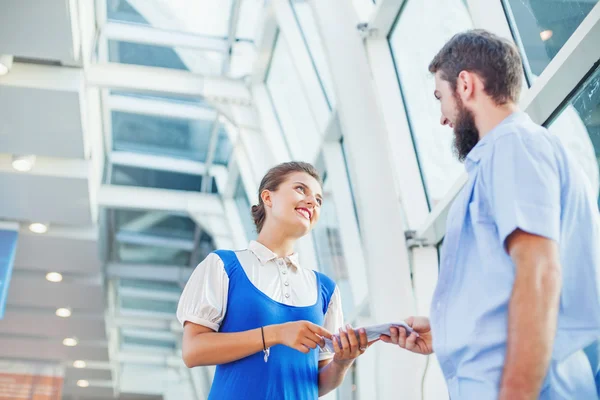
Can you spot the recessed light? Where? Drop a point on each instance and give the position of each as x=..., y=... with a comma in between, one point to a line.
x=37, y=227
x=23, y=163
x=83, y=383
x=545, y=35
x=63, y=312
x=79, y=364
x=70, y=342
x=54, y=277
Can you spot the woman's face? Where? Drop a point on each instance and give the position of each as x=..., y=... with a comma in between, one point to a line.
x=296, y=204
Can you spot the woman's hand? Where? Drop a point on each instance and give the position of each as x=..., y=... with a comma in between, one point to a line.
x=347, y=347
x=301, y=335
x=421, y=344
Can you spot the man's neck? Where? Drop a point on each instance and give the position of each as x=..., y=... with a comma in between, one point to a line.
x=491, y=115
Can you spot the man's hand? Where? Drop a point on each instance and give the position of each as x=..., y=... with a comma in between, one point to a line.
x=421, y=344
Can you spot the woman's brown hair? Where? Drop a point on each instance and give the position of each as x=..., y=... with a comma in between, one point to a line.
x=272, y=180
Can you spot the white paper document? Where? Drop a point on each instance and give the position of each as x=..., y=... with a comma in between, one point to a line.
x=373, y=332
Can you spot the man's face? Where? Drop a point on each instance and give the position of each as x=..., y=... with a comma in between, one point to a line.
x=457, y=116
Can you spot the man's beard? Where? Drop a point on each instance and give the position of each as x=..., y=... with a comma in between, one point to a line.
x=466, y=134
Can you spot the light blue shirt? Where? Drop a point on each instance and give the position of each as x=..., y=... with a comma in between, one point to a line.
x=520, y=176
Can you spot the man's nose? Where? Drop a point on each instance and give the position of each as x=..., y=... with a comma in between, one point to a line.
x=444, y=121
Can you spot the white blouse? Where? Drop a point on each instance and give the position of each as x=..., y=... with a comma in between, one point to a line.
x=204, y=298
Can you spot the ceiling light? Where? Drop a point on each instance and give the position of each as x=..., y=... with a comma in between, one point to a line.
x=54, y=277
x=79, y=364
x=83, y=383
x=63, y=313
x=70, y=342
x=6, y=63
x=23, y=163
x=37, y=227
x=545, y=35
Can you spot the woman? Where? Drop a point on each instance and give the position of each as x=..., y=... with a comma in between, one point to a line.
x=258, y=315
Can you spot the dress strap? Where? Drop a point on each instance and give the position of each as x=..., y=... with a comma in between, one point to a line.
x=326, y=289
x=230, y=260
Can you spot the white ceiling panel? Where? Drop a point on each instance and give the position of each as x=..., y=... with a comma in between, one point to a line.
x=18, y=322
x=38, y=29
x=29, y=197
x=43, y=122
x=76, y=253
x=43, y=349
x=34, y=291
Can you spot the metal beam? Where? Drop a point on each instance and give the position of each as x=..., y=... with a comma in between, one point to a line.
x=140, y=198
x=159, y=37
x=161, y=80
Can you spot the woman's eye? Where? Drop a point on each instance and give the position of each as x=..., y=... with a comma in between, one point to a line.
x=301, y=188
x=319, y=201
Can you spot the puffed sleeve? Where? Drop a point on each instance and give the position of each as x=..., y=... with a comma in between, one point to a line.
x=204, y=298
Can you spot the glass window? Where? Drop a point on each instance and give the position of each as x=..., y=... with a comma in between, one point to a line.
x=149, y=134
x=198, y=61
x=132, y=253
x=224, y=148
x=149, y=305
x=154, y=223
x=244, y=209
x=433, y=23
x=330, y=254
x=578, y=126
x=134, y=176
x=210, y=18
x=543, y=27
x=288, y=98
x=144, y=343
x=310, y=32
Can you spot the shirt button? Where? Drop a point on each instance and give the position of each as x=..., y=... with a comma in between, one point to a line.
x=438, y=305
x=284, y=272
x=286, y=283
x=287, y=295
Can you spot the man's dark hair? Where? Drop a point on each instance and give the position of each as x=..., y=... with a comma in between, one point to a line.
x=495, y=60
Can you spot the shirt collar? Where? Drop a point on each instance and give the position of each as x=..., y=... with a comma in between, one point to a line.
x=479, y=150
x=265, y=255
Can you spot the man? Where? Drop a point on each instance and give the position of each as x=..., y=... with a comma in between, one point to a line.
x=517, y=298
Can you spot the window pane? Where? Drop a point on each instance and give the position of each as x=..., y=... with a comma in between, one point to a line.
x=133, y=176
x=310, y=32
x=542, y=28
x=578, y=126
x=244, y=209
x=433, y=23
x=137, y=304
x=224, y=148
x=243, y=55
x=155, y=223
x=209, y=18
x=193, y=60
x=330, y=254
x=163, y=136
x=150, y=254
x=288, y=98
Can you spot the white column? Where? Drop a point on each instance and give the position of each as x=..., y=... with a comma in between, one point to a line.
x=389, y=284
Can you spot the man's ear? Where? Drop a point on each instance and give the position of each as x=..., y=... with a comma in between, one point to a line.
x=465, y=85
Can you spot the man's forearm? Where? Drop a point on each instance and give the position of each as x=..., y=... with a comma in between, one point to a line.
x=332, y=375
x=532, y=319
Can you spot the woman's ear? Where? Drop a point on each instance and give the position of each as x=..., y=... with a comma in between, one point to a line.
x=265, y=195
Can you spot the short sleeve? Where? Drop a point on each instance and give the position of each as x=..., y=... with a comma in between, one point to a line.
x=204, y=298
x=333, y=321
x=524, y=187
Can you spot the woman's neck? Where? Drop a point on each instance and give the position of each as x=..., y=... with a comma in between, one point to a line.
x=276, y=241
